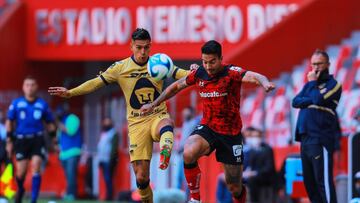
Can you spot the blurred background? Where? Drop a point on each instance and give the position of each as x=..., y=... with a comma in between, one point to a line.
x=64, y=43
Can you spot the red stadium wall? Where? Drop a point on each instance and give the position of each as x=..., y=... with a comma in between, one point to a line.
x=12, y=42
x=316, y=24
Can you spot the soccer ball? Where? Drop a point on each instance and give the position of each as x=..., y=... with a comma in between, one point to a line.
x=160, y=66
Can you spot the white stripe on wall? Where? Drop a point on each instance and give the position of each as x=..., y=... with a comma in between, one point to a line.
x=326, y=174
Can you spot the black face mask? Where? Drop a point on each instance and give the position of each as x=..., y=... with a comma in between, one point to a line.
x=324, y=75
x=357, y=190
x=106, y=127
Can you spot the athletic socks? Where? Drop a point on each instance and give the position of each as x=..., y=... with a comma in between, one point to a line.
x=146, y=195
x=21, y=190
x=166, y=144
x=192, y=175
x=35, y=187
x=242, y=196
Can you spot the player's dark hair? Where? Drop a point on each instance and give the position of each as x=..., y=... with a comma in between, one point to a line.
x=322, y=53
x=29, y=77
x=212, y=47
x=140, y=34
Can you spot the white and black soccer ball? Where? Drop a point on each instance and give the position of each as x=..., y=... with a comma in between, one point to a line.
x=160, y=66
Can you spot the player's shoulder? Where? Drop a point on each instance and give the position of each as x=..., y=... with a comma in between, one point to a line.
x=201, y=73
x=233, y=68
x=119, y=64
x=19, y=102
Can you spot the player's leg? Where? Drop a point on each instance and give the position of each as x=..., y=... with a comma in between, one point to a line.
x=142, y=173
x=164, y=130
x=229, y=152
x=233, y=179
x=195, y=147
x=22, y=161
x=36, y=177
x=37, y=152
x=141, y=144
x=21, y=166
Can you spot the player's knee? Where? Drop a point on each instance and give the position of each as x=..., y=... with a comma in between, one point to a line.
x=142, y=178
x=142, y=183
x=189, y=155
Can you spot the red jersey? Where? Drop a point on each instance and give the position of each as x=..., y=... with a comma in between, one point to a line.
x=220, y=95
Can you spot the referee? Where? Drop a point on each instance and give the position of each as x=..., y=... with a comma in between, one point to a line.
x=25, y=130
x=318, y=128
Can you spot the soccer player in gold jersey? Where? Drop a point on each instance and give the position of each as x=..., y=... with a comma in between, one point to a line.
x=139, y=89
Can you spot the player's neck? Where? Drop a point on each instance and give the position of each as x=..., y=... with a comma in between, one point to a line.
x=30, y=98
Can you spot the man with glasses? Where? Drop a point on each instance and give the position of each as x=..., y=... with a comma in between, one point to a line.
x=317, y=128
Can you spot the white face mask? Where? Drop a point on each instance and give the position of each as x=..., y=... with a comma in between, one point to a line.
x=253, y=141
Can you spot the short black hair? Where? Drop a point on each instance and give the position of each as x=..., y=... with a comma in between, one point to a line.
x=322, y=53
x=212, y=47
x=140, y=34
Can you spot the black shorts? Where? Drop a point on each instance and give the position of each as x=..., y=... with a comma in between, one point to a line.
x=25, y=148
x=229, y=148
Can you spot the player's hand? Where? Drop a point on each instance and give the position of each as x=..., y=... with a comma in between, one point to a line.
x=59, y=91
x=146, y=109
x=194, y=66
x=313, y=75
x=269, y=86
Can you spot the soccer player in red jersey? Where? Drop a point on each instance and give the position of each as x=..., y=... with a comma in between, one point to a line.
x=220, y=128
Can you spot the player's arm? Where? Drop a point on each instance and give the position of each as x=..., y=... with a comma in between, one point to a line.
x=257, y=78
x=85, y=88
x=169, y=92
x=302, y=100
x=180, y=73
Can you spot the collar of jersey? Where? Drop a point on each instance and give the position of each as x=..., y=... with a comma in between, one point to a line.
x=139, y=64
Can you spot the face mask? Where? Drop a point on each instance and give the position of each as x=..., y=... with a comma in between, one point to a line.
x=324, y=75
x=106, y=127
x=253, y=141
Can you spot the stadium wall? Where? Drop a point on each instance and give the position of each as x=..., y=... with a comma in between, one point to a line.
x=317, y=24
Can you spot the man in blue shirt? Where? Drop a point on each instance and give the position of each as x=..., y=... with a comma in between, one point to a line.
x=318, y=128
x=25, y=129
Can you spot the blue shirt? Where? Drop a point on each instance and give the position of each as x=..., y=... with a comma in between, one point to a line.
x=29, y=116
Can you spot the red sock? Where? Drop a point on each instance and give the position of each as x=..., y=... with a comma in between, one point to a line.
x=242, y=198
x=192, y=176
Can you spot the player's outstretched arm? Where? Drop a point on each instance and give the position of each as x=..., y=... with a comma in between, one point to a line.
x=169, y=92
x=257, y=78
x=85, y=88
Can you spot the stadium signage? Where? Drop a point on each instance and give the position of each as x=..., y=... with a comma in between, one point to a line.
x=107, y=26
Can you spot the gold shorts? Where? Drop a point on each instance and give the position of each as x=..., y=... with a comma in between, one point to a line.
x=142, y=135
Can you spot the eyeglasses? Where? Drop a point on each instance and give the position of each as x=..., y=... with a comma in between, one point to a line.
x=319, y=63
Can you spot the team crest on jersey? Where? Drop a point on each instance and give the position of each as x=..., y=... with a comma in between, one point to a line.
x=37, y=114
x=143, y=92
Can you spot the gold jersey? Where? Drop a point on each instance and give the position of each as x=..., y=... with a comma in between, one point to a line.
x=138, y=87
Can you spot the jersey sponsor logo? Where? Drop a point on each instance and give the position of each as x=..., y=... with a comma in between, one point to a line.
x=144, y=92
x=237, y=150
x=138, y=75
x=213, y=94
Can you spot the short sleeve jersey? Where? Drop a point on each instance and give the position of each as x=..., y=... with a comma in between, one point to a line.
x=220, y=95
x=138, y=87
x=29, y=116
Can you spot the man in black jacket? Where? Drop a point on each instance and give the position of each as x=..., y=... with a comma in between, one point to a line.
x=318, y=128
